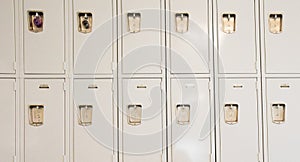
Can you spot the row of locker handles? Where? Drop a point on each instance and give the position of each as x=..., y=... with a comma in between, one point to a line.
x=134, y=114
x=85, y=22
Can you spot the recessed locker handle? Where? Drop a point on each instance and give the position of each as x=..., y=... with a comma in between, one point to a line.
x=35, y=21
x=183, y=114
x=182, y=22
x=85, y=22
x=36, y=115
x=134, y=22
x=228, y=23
x=275, y=23
x=134, y=114
x=85, y=115
x=278, y=113
x=231, y=112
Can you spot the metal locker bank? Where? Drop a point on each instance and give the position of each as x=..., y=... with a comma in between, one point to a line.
x=151, y=81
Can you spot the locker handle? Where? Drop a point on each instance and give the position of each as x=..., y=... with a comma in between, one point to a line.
x=85, y=115
x=278, y=113
x=231, y=112
x=36, y=115
x=44, y=86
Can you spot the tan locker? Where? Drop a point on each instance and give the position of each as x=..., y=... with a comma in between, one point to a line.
x=93, y=120
x=238, y=120
x=142, y=120
x=281, y=36
x=283, y=121
x=7, y=39
x=142, y=39
x=190, y=112
x=189, y=36
x=44, y=34
x=8, y=119
x=93, y=35
x=44, y=120
x=237, y=36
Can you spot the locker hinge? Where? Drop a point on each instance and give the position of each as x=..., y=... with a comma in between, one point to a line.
x=65, y=66
x=257, y=85
x=65, y=86
x=259, y=157
x=15, y=86
x=113, y=66
x=114, y=158
x=162, y=157
x=64, y=158
x=161, y=85
x=15, y=66
x=15, y=158
x=210, y=85
x=211, y=157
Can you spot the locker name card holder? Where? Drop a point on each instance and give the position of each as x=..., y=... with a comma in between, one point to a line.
x=85, y=22
x=229, y=23
x=134, y=22
x=35, y=21
x=134, y=115
x=183, y=114
x=231, y=113
x=182, y=22
x=85, y=115
x=275, y=23
x=278, y=113
x=36, y=115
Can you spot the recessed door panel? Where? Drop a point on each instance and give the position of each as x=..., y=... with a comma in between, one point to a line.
x=190, y=120
x=238, y=120
x=44, y=120
x=44, y=34
x=93, y=124
x=236, y=22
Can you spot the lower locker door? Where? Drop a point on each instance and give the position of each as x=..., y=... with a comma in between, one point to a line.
x=283, y=119
x=190, y=120
x=44, y=120
x=93, y=120
x=7, y=115
x=142, y=120
x=238, y=120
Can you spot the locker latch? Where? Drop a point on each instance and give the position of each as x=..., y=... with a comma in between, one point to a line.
x=134, y=22
x=231, y=113
x=85, y=22
x=36, y=115
x=278, y=113
x=229, y=23
x=183, y=114
x=182, y=22
x=134, y=115
x=275, y=23
x=35, y=21
x=85, y=115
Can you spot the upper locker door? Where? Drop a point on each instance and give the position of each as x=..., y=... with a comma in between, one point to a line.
x=7, y=115
x=44, y=36
x=7, y=39
x=93, y=120
x=142, y=120
x=236, y=36
x=282, y=36
x=44, y=120
x=190, y=120
x=93, y=36
x=142, y=38
x=283, y=119
x=189, y=36
x=238, y=120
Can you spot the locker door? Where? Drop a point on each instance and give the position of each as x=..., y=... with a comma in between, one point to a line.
x=142, y=120
x=44, y=120
x=281, y=36
x=142, y=38
x=44, y=36
x=189, y=54
x=92, y=44
x=93, y=134
x=7, y=41
x=236, y=36
x=283, y=120
x=7, y=115
x=238, y=120
x=190, y=113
